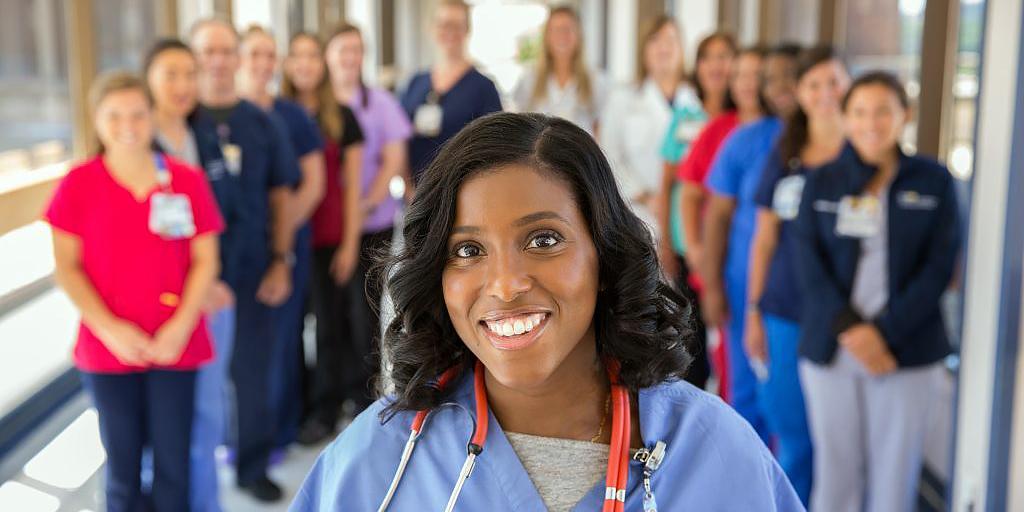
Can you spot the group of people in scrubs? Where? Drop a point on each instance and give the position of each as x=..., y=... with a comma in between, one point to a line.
x=569, y=274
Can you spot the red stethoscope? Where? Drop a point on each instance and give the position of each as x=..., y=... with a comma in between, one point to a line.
x=618, y=454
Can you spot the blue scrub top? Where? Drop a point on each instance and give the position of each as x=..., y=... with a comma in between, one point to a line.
x=713, y=461
x=302, y=130
x=474, y=95
x=736, y=173
x=781, y=296
x=267, y=162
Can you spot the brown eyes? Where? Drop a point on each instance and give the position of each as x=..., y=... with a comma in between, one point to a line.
x=542, y=240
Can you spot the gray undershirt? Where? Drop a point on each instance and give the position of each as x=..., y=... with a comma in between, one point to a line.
x=871, y=283
x=562, y=470
x=188, y=153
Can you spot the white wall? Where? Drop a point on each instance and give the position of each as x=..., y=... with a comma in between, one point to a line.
x=698, y=18
x=622, y=40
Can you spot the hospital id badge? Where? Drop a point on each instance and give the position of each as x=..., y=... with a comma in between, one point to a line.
x=688, y=130
x=232, y=158
x=859, y=216
x=428, y=120
x=170, y=216
x=786, y=199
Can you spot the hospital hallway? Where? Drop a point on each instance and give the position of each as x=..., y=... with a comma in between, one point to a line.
x=226, y=226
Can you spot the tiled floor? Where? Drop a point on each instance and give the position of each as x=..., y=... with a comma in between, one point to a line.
x=67, y=476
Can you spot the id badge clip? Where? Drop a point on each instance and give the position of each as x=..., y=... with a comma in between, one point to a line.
x=859, y=216
x=232, y=158
x=786, y=199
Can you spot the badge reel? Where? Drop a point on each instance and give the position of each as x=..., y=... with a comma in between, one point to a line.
x=859, y=217
x=786, y=199
x=427, y=119
x=170, y=214
x=232, y=158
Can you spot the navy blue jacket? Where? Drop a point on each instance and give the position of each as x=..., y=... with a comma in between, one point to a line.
x=923, y=244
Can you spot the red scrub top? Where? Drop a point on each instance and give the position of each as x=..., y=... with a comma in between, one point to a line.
x=697, y=164
x=137, y=274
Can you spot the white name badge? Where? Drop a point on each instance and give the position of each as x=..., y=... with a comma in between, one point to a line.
x=170, y=216
x=859, y=217
x=427, y=120
x=688, y=130
x=232, y=158
x=786, y=199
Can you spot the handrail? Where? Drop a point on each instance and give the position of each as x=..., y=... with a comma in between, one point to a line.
x=23, y=194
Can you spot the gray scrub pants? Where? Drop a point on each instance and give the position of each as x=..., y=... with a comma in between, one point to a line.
x=868, y=433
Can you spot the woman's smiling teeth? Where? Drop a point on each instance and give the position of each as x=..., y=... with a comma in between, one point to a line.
x=515, y=325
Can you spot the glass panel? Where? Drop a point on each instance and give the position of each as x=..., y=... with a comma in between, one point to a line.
x=124, y=29
x=965, y=88
x=892, y=43
x=35, y=112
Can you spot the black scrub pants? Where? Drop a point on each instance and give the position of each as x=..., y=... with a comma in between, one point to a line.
x=347, y=332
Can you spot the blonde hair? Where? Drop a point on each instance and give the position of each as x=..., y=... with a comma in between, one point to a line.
x=108, y=83
x=328, y=116
x=651, y=30
x=584, y=86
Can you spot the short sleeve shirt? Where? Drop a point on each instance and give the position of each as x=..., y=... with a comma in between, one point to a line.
x=139, y=275
x=735, y=173
x=781, y=296
x=474, y=95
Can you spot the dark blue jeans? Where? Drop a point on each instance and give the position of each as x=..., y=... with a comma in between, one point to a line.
x=138, y=410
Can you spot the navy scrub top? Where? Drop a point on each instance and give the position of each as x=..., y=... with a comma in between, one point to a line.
x=474, y=95
x=781, y=295
x=302, y=130
x=268, y=162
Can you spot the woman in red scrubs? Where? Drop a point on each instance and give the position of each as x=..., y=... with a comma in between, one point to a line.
x=135, y=244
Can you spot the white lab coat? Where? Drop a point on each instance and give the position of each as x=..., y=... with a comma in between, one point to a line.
x=633, y=127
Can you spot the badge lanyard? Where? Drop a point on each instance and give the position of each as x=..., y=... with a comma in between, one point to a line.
x=170, y=214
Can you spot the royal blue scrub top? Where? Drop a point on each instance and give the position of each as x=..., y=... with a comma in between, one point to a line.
x=736, y=173
x=474, y=95
x=713, y=461
x=267, y=162
x=781, y=296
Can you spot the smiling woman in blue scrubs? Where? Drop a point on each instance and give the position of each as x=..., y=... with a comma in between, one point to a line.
x=531, y=286
x=443, y=99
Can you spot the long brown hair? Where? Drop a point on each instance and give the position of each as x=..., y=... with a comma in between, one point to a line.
x=702, y=53
x=328, y=116
x=651, y=29
x=581, y=74
x=796, y=133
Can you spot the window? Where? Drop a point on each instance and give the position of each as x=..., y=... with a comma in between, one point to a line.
x=35, y=112
x=965, y=88
x=893, y=43
x=124, y=30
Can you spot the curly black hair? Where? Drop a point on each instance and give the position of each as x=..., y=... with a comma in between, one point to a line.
x=640, y=320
